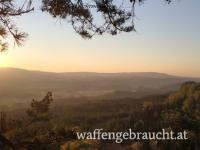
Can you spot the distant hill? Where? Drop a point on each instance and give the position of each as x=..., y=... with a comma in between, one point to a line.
x=18, y=85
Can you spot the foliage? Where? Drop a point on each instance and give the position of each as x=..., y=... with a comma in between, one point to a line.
x=40, y=109
x=8, y=11
x=109, y=16
x=177, y=111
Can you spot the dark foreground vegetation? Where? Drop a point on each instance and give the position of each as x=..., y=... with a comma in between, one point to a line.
x=52, y=127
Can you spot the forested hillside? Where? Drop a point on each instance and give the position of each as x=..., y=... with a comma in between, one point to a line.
x=44, y=127
x=19, y=86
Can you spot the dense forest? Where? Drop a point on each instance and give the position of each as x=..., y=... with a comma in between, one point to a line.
x=44, y=126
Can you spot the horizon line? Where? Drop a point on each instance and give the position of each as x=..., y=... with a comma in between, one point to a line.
x=117, y=72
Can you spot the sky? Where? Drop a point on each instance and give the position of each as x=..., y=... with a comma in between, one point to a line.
x=167, y=40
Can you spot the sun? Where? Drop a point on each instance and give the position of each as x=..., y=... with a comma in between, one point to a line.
x=4, y=60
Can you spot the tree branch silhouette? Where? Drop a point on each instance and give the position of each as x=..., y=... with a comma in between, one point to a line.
x=115, y=17
x=8, y=11
x=108, y=16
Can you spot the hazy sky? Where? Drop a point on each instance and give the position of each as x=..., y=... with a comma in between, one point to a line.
x=167, y=40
